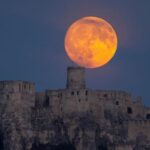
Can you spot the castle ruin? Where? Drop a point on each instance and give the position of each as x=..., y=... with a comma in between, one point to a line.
x=74, y=118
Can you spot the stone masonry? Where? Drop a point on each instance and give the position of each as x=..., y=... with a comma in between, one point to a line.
x=74, y=118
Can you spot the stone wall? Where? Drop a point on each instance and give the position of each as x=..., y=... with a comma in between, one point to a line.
x=75, y=78
x=16, y=100
x=74, y=118
x=66, y=101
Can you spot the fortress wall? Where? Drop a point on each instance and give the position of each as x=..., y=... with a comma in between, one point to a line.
x=138, y=127
x=124, y=147
x=121, y=101
x=54, y=100
x=75, y=101
x=84, y=102
x=76, y=97
x=113, y=94
x=138, y=110
x=96, y=105
x=115, y=100
x=16, y=100
x=41, y=118
x=39, y=99
x=17, y=94
x=69, y=101
x=81, y=101
x=19, y=105
x=17, y=86
x=51, y=99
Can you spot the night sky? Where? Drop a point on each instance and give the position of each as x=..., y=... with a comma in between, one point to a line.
x=32, y=43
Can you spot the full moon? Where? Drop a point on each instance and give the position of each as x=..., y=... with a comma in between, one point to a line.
x=91, y=42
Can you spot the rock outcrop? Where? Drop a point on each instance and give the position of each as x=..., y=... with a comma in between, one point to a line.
x=74, y=118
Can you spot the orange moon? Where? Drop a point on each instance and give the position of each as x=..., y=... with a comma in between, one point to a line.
x=91, y=42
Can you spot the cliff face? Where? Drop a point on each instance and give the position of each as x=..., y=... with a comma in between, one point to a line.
x=16, y=100
x=45, y=131
x=75, y=118
x=83, y=132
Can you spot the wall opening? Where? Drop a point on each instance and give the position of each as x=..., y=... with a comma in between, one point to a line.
x=1, y=141
x=86, y=92
x=7, y=96
x=46, y=103
x=129, y=110
x=60, y=95
x=64, y=146
x=117, y=103
x=103, y=143
x=19, y=88
x=72, y=93
x=102, y=147
x=148, y=116
x=105, y=95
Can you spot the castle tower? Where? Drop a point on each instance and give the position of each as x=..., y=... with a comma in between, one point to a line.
x=16, y=100
x=75, y=78
x=17, y=93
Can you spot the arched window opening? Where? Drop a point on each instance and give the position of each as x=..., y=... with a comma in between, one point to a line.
x=86, y=92
x=129, y=110
x=72, y=93
x=105, y=95
x=46, y=103
x=24, y=86
x=117, y=103
x=148, y=116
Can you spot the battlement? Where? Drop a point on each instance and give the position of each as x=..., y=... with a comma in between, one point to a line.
x=17, y=86
x=113, y=94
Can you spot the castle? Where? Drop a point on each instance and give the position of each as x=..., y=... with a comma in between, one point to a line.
x=74, y=118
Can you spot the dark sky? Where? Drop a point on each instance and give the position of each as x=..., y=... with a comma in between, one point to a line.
x=32, y=43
